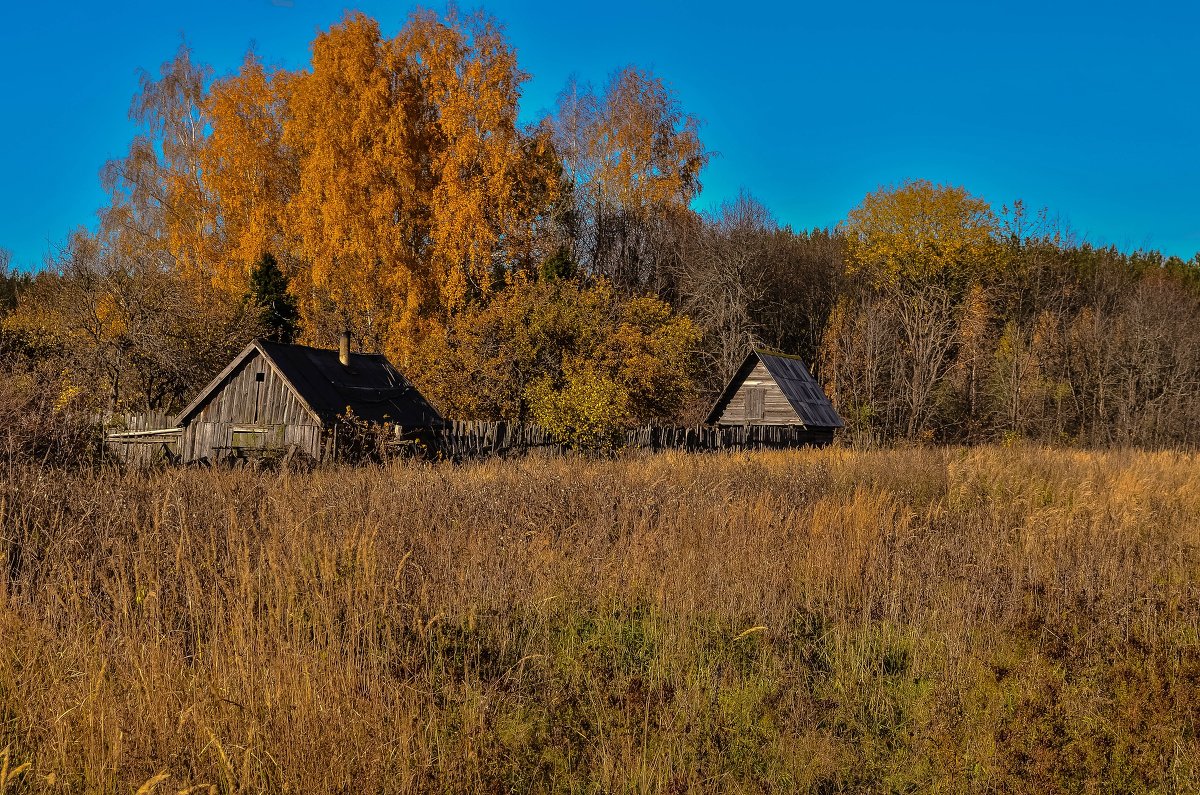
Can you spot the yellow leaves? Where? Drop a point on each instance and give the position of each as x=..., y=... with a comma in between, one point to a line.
x=413, y=180
x=352, y=215
x=586, y=409
x=159, y=203
x=582, y=360
x=391, y=179
x=974, y=331
x=247, y=168
x=919, y=231
x=634, y=144
x=110, y=317
x=481, y=208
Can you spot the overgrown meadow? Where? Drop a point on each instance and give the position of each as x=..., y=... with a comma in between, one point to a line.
x=955, y=620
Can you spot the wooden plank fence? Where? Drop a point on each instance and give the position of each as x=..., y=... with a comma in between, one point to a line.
x=478, y=439
x=471, y=439
x=141, y=439
x=144, y=439
x=731, y=437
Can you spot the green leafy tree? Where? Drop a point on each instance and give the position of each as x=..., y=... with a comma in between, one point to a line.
x=269, y=292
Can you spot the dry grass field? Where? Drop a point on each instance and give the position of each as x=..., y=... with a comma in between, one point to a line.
x=947, y=620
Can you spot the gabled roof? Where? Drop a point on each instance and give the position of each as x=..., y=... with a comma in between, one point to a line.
x=370, y=386
x=797, y=384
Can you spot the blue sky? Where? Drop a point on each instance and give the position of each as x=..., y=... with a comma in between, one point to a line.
x=1089, y=109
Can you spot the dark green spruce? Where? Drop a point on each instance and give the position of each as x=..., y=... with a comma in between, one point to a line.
x=269, y=292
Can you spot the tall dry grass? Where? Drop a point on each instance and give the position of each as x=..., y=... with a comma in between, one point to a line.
x=985, y=620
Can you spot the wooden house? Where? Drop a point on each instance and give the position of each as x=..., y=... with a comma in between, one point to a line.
x=776, y=390
x=276, y=398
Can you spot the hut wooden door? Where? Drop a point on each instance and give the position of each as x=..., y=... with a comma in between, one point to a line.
x=259, y=379
x=755, y=403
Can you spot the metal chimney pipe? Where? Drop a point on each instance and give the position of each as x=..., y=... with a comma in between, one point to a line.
x=344, y=349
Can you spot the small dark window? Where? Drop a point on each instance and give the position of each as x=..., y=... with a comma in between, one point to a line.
x=260, y=377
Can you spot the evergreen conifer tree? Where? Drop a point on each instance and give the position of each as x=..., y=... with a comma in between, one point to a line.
x=269, y=292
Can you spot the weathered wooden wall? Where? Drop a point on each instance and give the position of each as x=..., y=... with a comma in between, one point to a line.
x=243, y=403
x=212, y=441
x=776, y=408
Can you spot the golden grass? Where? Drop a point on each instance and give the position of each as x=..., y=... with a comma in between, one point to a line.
x=962, y=620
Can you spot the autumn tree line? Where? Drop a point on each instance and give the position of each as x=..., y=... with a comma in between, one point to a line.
x=557, y=272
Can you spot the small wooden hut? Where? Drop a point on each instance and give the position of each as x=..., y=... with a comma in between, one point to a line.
x=276, y=398
x=776, y=389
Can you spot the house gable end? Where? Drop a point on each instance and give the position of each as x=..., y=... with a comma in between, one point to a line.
x=731, y=388
x=226, y=388
x=759, y=400
x=774, y=389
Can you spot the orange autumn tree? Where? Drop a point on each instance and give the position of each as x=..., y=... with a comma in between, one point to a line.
x=492, y=182
x=358, y=219
x=646, y=150
x=415, y=185
x=634, y=158
x=391, y=180
x=247, y=168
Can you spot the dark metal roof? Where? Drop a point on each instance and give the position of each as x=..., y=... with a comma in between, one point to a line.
x=799, y=387
x=370, y=386
x=801, y=390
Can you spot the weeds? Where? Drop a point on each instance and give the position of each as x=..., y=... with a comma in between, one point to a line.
x=984, y=620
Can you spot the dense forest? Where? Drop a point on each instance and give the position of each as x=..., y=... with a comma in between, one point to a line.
x=558, y=272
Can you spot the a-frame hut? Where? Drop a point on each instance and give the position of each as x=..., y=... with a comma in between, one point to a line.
x=776, y=389
x=276, y=397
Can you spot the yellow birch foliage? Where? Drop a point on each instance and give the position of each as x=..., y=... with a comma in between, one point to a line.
x=357, y=214
x=158, y=205
x=917, y=232
x=247, y=169
x=645, y=150
x=491, y=182
x=165, y=188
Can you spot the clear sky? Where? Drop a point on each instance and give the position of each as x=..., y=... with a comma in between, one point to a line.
x=1091, y=109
